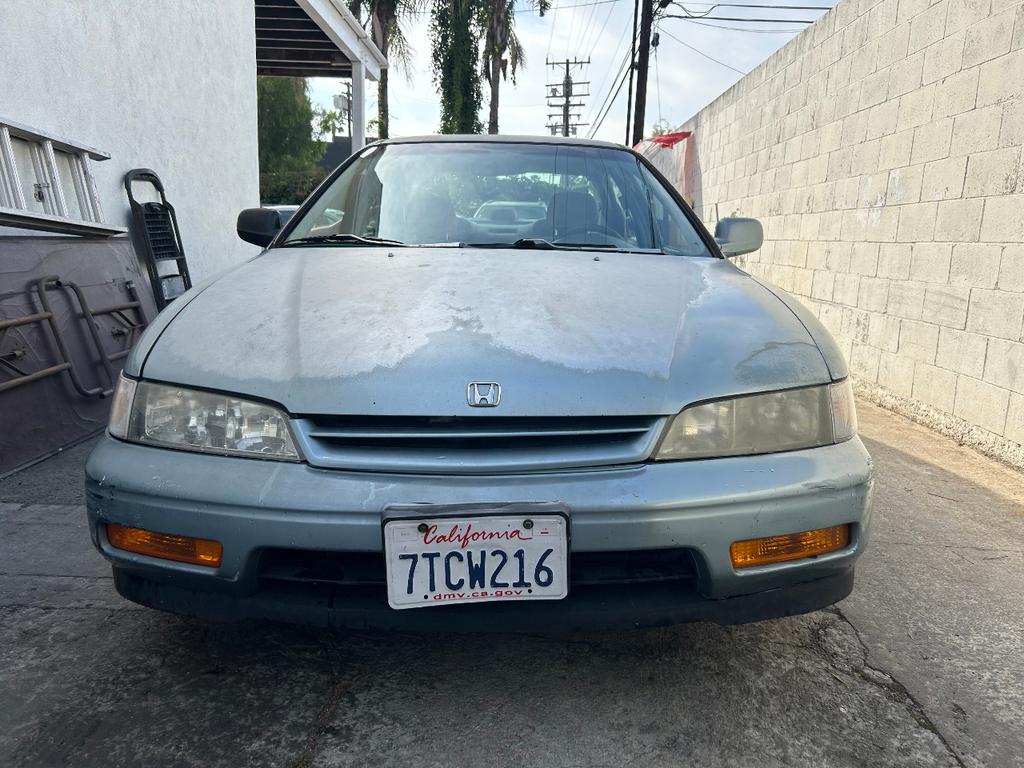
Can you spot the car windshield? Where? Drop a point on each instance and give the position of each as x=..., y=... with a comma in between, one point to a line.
x=497, y=195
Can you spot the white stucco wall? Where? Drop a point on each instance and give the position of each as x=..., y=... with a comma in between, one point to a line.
x=882, y=150
x=166, y=85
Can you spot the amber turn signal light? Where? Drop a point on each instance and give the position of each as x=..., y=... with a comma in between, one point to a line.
x=791, y=546
x=183, y=549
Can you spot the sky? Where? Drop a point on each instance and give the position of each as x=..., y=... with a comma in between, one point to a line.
x=692, y=65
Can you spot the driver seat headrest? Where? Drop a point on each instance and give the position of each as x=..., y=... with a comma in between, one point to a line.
x=569, y=210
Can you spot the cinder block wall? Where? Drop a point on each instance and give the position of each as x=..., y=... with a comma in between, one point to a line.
x=882, y=150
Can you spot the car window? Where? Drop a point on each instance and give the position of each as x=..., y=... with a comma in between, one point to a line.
x=492, y=194
x=672, y=229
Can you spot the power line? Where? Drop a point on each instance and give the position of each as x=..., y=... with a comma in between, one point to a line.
x=611, y=68
x=738, y=18
x=611, y=102
x=754, y=5
x=657, y=81
x=589, y=44
x=636, y=68
x=595, y=124
x=618, y=76
x=568, y=37
x=698, y=51
x=625, y=71
x=624, y=68
x=744, y=29
x=551, y=10
x=551, y=33
x=611, y=10
x=566, y=7
x=588, y=23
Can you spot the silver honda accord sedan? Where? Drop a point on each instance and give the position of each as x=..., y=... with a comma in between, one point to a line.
x=403, y=415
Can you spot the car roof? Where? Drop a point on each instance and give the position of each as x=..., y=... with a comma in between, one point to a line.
x=485, y=138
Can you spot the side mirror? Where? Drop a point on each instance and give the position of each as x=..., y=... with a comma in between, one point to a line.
x=259, y=225
x=738, y=236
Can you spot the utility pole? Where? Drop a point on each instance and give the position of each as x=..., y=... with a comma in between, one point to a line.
x=348, y=106
x=567, y=91
x=632, y=69
x=642, y=61
x=343, y=103
x=560, y=96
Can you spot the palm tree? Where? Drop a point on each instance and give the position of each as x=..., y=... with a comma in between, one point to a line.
x=386, y=18
x=499, y=39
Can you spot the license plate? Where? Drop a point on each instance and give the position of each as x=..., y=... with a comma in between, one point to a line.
x=486, y=558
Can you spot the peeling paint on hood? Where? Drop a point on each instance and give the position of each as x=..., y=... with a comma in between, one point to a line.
x=367, y=330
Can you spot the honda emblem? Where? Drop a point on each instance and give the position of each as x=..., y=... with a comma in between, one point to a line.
x=483, y=394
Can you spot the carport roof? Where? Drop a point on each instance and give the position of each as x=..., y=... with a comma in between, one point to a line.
x=312, y=38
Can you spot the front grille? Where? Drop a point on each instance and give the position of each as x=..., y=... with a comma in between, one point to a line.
x=366, y=569
x=476, y=444
x=317, y=567
x=639, y=566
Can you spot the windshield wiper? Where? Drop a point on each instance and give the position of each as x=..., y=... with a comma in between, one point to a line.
x=342, y=238
x=540, y=244
x=536, y=243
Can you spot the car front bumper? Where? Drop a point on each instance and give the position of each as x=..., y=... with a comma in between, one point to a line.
x=252, y=506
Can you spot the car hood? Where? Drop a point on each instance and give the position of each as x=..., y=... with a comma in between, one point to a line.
x=403, y=332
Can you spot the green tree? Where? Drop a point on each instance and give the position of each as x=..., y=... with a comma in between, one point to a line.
x=661, y=127
x=288, y=149
x=455, y=27
x=285, y=124
x=385, y=23
x=499, y=19
x=386, y=17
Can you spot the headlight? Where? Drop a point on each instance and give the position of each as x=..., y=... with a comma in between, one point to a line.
x=767, y=423
x=189, y=420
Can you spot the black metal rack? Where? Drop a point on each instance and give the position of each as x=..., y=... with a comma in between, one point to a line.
x=158, y=239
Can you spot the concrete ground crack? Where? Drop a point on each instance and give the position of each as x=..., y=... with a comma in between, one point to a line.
x=318, y=726
x=324, y=717
x=885, y=681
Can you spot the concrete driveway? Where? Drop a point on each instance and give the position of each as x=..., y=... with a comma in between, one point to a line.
x=922, y=666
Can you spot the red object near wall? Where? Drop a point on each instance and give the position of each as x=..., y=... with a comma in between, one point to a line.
x=669, y=140
x=666, y=140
